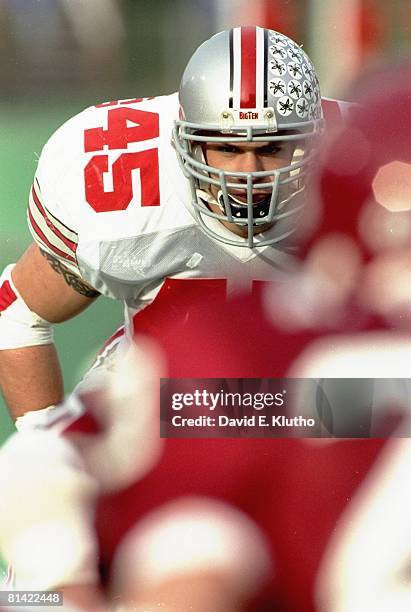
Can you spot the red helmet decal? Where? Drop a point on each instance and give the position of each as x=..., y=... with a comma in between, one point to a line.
x=248, y=67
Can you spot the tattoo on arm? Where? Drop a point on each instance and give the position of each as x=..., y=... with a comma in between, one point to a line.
x=73, y=281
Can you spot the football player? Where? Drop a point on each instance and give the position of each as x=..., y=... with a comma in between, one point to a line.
x=153, y=201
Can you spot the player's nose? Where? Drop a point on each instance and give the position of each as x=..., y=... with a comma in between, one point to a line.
x=250, y=162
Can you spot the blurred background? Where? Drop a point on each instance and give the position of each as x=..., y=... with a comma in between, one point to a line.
x=58, y=56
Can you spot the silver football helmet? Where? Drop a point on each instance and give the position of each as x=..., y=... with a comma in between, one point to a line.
x=248, y=84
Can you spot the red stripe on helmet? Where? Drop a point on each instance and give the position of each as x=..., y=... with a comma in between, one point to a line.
x=248, y=67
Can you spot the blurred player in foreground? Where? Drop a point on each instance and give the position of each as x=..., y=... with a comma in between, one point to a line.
x=280, y=533
x=367, y=563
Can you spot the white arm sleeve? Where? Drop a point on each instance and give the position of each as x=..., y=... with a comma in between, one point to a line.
x=19, y=326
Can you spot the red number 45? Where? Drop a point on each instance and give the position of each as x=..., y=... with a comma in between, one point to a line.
x=118, y=135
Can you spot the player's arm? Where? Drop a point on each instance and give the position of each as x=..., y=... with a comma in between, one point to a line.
x=34, y=294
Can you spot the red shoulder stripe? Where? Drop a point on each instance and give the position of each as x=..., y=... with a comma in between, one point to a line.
x=69, y=243
x=44, y=239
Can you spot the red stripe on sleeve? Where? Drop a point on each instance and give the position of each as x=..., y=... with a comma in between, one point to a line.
x=7, y=295
x=46, y=241
x=248, y=67
x=71, y=245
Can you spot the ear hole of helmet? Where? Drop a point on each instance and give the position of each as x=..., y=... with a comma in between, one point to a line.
x=298, y=156
x=198, y=153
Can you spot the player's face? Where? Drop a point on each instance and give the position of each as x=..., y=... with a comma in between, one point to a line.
x=247, y=157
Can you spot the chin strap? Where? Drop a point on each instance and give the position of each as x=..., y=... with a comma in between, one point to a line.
x=239, y=209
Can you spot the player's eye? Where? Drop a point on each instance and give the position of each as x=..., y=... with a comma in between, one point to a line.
x=272, y=149
x=227, y=148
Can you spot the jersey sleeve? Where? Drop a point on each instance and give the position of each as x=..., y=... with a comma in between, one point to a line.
x=51, y=214
x=50, y=234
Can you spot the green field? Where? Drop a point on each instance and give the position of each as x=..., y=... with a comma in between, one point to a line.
x=24, y=129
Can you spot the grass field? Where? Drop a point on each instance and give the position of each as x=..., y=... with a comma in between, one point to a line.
x=24, y=129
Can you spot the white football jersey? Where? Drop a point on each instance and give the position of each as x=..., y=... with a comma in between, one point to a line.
x=111, y=202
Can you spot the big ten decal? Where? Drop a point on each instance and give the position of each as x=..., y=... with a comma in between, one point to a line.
x=125, y=125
